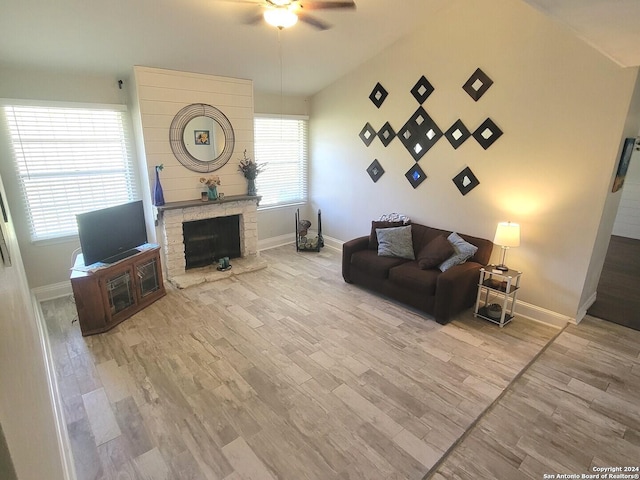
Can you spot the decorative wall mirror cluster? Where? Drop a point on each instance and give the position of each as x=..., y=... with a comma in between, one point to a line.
x=201, y=138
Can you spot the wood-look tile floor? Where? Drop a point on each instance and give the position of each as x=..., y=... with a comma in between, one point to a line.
x=574, y=410
x=290, y=373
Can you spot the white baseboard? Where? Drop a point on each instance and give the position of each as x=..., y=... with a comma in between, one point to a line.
x=64, y=443
x=542, y=315
x=49, y=292
x=582, y=311
x=273, y=242
x=333, y=243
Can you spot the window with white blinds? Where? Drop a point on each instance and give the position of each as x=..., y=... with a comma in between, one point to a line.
x=69, y=160
x=281, y=143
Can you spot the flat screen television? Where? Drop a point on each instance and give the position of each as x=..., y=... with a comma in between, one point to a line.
x=111, y=234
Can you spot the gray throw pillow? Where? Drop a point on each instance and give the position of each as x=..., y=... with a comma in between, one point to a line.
x=375, y=225
x=463, y=251
x=395, y=242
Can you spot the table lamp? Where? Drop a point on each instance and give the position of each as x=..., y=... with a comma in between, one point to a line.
x=507, y=236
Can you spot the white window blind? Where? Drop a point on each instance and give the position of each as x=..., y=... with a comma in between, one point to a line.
x=281, y=142
x=69, y=160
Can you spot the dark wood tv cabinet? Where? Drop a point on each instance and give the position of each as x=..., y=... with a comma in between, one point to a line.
x=111, y=294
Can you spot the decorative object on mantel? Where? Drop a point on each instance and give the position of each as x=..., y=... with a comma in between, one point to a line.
x=212, y=186
x=487, y=133
x=250, y=170
x=415, y=175
x=419, y=134
x=422, y=89
x=386, y=134
x=477, y=84
x=623, y=163
x=186, y=138
x=158, y=195
x=378, y=95
x=507, y=236
x=457, y=134
x=375, y=170
x=367, y=134
x=466, y=181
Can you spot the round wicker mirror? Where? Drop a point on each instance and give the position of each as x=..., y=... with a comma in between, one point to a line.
x=201, y=137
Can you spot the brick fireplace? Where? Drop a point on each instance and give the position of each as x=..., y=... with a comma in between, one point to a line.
x=171, y=218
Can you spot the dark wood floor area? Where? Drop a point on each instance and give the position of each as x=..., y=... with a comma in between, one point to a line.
x=618, y=298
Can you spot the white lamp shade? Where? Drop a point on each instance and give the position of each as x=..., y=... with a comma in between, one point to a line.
x=280, y=17
x=507, y=235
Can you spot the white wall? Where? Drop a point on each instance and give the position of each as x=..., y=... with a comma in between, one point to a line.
x=562, y=107
x=26, y=411
x=161, y=94
x=627, y=222
x=48, y=263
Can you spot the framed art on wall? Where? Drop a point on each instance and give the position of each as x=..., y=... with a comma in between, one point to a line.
x=623, y=164
x=201, y=137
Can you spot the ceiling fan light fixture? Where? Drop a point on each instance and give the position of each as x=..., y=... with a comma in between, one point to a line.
x=280, y=17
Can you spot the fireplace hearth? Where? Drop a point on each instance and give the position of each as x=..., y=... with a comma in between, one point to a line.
x=174, y=221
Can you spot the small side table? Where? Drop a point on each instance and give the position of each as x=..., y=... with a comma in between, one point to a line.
x=501, y=286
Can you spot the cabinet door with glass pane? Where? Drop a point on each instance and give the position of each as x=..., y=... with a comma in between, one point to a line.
x=149, y=279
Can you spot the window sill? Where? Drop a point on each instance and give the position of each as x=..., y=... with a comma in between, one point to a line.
x=281, y=206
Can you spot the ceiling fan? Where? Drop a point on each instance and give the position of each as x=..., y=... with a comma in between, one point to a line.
x=286, y=13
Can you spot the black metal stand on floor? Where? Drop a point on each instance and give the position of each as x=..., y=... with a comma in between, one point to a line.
x=304, y=243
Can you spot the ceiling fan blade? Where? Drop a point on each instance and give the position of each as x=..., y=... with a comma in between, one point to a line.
x=251, y=2
x=327, y=5
x=253, y=19
x=314, y=22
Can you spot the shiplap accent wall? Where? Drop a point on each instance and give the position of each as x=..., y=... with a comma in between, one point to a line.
x=628, y=218
x=160, y=95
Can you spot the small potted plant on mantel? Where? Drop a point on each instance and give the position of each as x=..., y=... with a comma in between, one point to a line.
x=212, y=186
x=250, y=170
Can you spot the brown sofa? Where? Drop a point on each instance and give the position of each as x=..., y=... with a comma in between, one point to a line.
x=440, y=294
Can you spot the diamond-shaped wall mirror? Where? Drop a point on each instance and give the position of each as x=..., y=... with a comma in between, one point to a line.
x=367, y=134
x=422, y=89
x=419, y=134
x=416, y=176
x=457, y=134
x=487, y=133
x=386, y=134
x=466, y=181
x=378, y=95
x=375, y=170
x=477, y=84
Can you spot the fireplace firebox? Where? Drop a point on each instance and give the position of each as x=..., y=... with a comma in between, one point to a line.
x=207, y=240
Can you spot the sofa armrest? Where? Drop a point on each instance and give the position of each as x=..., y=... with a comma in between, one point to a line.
x=348, y=249
x=456, y=290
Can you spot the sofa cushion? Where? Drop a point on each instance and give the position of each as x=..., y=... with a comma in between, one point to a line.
x=409, y=275
x=463, y=251
x=395, y=242
x=435, y=252
x=370, y=263
x=375, y=225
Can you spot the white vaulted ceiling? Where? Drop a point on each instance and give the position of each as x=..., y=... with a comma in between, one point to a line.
x=610, y=26
x=210, y=36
